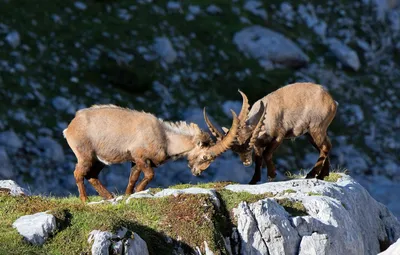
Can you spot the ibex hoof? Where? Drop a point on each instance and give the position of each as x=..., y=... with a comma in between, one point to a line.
x=309, y=176
x=253, y=182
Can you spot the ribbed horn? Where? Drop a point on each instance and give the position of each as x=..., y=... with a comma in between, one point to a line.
x=214, y=131
x=223, y=145
x=260, y=123
x=245, y=109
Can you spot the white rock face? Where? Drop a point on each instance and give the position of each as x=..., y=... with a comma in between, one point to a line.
x=266, y=46
x=36, y=228
x=394, y=249
x=314, y=245
x=342, y=219
x=344, y=53
x=163, y=47
x=15, y=190
x=123, y=242
x=101, y=242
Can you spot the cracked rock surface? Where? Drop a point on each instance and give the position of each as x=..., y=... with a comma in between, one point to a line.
x=341, y=218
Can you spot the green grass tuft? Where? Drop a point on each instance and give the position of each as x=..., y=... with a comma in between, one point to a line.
x=314, y=194
x=288, y=191
x=210, y=185
x=232, y=199
x=333, y=177
x=294, y=208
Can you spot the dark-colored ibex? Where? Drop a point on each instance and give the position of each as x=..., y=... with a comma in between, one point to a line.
x=107, y=134
x=291, y=111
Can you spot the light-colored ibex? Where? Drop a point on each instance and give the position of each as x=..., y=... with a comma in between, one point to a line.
x=107, y=134
x=291, y=111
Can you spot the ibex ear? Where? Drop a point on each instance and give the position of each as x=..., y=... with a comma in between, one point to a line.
x=225, y=130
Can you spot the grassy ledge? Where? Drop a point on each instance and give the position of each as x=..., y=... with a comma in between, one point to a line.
x=152, y=219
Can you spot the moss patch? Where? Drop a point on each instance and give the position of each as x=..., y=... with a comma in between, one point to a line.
x=314, y=194
x=295, y=208
x=210, y=185
x=333, y=177
x=289, y=191
x=232, y=199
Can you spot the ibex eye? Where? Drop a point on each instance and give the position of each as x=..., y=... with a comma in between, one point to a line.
x=205, y=157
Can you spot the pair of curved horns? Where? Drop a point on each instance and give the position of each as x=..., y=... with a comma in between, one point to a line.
x=242, y=121
x=242, y=118
x=225, y=143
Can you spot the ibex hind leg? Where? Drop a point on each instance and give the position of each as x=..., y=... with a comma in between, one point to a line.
x=93, y=178
x=323, y=145
x=326, y=147
x=82, y=168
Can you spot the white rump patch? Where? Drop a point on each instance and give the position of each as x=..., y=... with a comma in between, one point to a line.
x=64, y=131
x=103, y=161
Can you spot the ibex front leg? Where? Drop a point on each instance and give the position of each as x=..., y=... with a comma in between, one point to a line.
x=145, y=167
x=267, y=155
x=257, y=170
x=134, y=176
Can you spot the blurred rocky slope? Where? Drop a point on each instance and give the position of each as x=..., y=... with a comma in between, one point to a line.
x=173, y=58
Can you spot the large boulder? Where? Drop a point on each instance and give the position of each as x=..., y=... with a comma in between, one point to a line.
x=12, y=188
x=123, y=242
x=314, y=217
x=268, y=46
x=36, y=228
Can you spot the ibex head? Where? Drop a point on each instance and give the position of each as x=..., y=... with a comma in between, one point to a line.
x=246, y=134
x=206, y=151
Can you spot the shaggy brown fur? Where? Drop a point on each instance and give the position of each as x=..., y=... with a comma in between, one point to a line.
x=291, y=111
x=107, y=134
